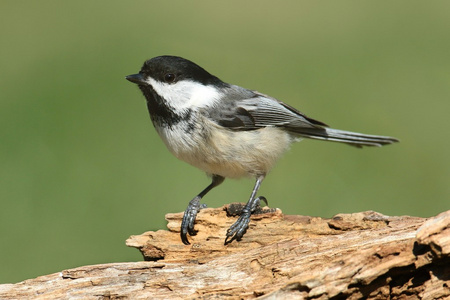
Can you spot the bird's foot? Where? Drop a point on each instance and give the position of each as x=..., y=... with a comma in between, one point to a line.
x=187, y=225
x=238, y=229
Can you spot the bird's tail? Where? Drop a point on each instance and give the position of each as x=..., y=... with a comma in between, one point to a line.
x=348, y=137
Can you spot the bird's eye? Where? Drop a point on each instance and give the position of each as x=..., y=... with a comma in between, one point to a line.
x=170, y=77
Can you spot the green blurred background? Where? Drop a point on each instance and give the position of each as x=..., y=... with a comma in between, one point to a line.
x=82, y=167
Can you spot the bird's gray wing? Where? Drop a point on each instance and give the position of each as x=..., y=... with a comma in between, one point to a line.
x=250, y=110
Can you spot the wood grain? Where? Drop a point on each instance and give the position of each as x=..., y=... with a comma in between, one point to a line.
x=350, y=256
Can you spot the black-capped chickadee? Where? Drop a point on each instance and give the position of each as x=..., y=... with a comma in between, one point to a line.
x=226, y=130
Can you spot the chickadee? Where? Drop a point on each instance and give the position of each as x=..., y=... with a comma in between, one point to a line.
x=226, y=130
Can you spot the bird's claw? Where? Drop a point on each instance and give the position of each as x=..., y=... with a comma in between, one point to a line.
x=238, y=229
x=187, y=224
x=258, y=201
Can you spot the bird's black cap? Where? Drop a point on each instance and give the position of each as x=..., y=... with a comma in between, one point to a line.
x=161, y=66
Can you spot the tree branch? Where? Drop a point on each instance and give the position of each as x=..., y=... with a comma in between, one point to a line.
x=362, y=255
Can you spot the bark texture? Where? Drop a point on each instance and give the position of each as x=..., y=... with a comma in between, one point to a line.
x=351, y=256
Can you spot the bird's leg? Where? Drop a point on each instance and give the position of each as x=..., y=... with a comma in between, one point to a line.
x=238, y=229
x=187, y=225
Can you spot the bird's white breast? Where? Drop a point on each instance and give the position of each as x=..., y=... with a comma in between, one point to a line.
x=218, y=150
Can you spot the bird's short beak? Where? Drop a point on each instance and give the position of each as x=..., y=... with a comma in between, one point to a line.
x=136, y=78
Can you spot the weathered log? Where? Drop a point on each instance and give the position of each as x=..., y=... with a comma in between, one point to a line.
x=356, y=256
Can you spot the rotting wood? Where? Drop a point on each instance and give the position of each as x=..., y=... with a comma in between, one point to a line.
x=356, y=256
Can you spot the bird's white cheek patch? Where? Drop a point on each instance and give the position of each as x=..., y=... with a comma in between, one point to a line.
x=162, y=89
x=185, y=94
x=203, y=95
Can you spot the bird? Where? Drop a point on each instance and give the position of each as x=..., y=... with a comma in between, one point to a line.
x=226, y=130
